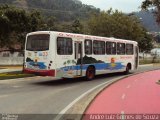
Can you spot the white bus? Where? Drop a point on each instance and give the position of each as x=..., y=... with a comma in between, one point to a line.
x=70, y=55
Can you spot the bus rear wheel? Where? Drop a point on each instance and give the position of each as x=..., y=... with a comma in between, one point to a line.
x=128, y=68
x=90, y=73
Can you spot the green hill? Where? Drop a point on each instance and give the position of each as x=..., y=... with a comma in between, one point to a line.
x=69, y=10
x=63, y=10
x=148, y=19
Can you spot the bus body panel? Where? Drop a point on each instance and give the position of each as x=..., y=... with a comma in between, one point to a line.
x=39, y=61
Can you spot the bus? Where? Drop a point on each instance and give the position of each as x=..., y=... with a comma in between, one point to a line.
x=69, y=55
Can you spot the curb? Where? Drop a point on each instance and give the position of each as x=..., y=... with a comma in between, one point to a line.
x=78, y=109
x=3, y=70
x=9, y=70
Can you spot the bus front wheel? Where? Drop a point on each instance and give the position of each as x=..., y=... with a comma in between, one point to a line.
x=90, y=73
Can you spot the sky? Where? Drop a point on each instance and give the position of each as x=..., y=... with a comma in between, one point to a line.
x=126, y=6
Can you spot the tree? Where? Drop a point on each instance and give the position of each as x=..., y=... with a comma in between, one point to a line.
x=119, y=25
x=154, y=4
x=77, y=27
x=16, y=23
x=146, y=43
x=51, y=23
x=35, y=20
x=64, y=27
x=4, y=29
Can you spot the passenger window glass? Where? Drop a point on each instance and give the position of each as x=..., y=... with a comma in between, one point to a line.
x=98, y=47
x=64, y=46
x=121, y=48
x=129, y=49
x=88, y=47
x=111, y=48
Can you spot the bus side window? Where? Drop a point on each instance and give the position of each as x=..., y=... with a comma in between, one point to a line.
x=108, y=48
x=113, y=52
x=98, y=47
x=64, y=46
x=111, y=48
x=88, y=47
x=129, y=49
x=121, y=48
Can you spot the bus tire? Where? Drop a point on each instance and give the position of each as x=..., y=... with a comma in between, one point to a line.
x=90, y=73
x=128, y=68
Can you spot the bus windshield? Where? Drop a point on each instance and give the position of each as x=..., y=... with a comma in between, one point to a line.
x=38, y=42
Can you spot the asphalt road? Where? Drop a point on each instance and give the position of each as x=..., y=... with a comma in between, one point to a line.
x=46, y=95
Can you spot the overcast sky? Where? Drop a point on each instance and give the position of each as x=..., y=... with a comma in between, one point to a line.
x=126, y=6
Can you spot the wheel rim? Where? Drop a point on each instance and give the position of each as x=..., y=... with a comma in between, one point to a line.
x=90, y=73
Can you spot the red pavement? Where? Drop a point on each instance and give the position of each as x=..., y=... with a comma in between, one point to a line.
x=138, y=94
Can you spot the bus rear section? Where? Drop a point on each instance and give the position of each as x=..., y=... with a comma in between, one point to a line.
x=37, y=55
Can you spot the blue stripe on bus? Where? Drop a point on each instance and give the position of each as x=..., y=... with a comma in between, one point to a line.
x=98, y=66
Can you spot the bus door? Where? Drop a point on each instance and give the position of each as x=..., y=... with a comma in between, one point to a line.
x=136, y=57
x=78, y=57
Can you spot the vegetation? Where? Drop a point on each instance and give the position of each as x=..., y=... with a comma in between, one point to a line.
x=13, y=75
x=147, y=18
x=69, y=10
x=149, y=61
x=17, y=22
x=152, y=4
x=63, y=10
x=118, y=25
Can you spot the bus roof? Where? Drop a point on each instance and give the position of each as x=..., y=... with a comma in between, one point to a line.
x=82, y=36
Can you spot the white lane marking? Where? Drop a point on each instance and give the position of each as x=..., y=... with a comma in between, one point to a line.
x=16, y=86
x=3, y=96
x=123, y=96
x=80, y=97
x=123, y=117
x=128, y=86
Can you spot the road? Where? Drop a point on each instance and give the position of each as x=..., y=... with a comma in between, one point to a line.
x=46, y=95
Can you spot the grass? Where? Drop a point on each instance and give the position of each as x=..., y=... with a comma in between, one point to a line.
x=10, y=66
x=148, y=61
x=13, y=75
